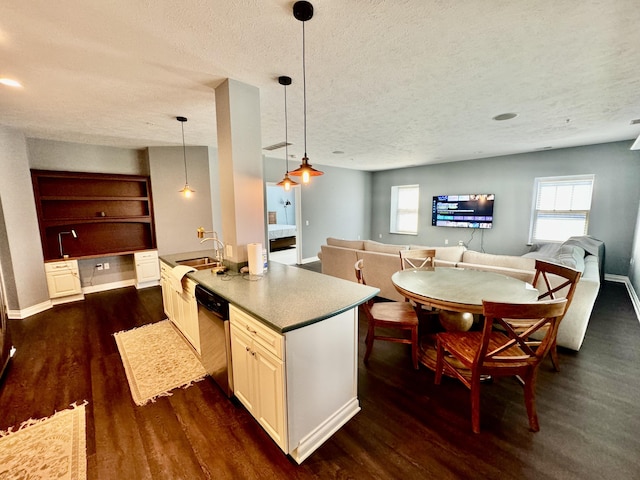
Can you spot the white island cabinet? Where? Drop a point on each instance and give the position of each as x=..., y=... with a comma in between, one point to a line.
x=301, y=386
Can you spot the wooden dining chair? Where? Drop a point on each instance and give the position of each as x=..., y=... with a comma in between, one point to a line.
x=389, y=315
x=563, y=289
x=501, y=353
x=418, y=258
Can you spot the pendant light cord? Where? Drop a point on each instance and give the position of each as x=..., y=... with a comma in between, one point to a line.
x=286, y=133
x=304, y=90
x=184, y=155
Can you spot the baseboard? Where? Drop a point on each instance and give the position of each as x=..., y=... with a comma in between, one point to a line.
x=632, y=293
x=150, y=283
x=310, y=260
x=312, y=442
x=108, y=286
x=27, y=312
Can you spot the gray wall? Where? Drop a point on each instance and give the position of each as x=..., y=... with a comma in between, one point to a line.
x=21, y=255
x=634, y=270
x=614, y=207
x=75, y=157
x=336, y=204
x=177, y=218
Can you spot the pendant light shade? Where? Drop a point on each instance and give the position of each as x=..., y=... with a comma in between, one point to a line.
x=303, y=11
x=186, y=191
x=286, y=182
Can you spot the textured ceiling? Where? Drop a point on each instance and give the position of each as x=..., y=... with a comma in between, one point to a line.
x=389, y=83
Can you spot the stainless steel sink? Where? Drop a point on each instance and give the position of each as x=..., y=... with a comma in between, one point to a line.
x=200, y=263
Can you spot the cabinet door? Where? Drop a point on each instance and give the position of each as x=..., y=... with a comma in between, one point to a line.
x=270, y=394
x=147, y=271
x=243, y=366
x=166, y=296
x=63, y=279
x=190, y=319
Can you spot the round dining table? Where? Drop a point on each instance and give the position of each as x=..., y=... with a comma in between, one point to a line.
x=457, y=290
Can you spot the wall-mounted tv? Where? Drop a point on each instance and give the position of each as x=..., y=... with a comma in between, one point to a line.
x=466, y=211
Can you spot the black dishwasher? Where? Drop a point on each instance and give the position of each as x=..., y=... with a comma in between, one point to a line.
x=215, y=340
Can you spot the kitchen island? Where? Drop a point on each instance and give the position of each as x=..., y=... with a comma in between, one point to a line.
x=294, y=348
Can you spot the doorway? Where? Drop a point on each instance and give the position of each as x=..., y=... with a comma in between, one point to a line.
x=283, y=232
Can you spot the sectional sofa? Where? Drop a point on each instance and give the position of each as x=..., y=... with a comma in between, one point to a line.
x=382, y=260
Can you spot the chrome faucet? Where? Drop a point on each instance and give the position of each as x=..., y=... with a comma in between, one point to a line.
x=218, y=245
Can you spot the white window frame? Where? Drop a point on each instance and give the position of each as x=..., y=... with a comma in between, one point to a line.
x=573, y=213
x=408, y=213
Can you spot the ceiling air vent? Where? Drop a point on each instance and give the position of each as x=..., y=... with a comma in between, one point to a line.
x=276, y=146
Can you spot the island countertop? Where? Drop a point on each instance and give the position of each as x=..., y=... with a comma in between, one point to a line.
x=284, y=298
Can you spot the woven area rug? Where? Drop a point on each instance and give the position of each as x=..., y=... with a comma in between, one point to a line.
x=157, y=360
x=53, y=447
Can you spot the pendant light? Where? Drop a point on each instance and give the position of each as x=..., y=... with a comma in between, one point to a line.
x=303, y=11
x=286, y=182
x=186, y=191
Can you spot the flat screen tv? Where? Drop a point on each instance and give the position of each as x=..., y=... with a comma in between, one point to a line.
x=466, y=211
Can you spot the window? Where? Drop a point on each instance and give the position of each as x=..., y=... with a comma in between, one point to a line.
x=560, y=208
x=404, y=209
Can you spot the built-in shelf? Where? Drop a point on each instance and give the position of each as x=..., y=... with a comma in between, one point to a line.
x=110, y=213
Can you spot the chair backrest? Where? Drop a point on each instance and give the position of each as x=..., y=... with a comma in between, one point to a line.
x=418, y=258
x=543, y=316
x=542, y=281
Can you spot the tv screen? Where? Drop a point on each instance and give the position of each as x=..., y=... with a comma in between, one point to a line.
x=466, y=211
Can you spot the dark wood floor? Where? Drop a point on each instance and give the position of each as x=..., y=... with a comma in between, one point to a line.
x=408, y=427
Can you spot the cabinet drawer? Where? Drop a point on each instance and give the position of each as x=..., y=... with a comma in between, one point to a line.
x=272, y=341
x=64, y=265
x=150, y=255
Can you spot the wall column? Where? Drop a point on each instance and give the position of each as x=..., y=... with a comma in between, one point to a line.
x=240, y=167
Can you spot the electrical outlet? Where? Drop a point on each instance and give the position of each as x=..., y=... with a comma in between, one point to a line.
x=99, y=266
x=379, y=235
x=446, y=241
x=106, y=266
x=228, y=251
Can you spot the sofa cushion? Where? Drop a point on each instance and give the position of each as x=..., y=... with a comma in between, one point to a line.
x=449, y=254
x=337, y=242
x=371, y=246
x=508, y=261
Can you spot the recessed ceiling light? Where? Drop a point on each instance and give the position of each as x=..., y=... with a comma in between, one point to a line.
x=9, y=82
x=505, y=116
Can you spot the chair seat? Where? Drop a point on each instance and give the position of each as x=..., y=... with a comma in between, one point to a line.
x=465, y=346
x=394, y=313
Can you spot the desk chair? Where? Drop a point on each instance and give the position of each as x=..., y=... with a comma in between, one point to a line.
x=502, y=353
x=396, y=315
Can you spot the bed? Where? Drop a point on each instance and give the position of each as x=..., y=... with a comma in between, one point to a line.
x=281, y=236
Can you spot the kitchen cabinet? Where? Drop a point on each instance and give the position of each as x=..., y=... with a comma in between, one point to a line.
x=63, y=281
x=258, y=373
x=181, y=306
x=111, y=214
x=301, y=386
x=167, y=296
x=147, y=268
